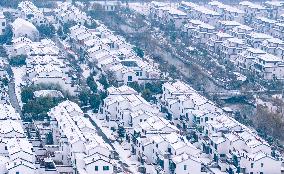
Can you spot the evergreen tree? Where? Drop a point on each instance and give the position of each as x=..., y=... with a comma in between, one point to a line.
x=49, y=138
x=121, y=131
x=83, y=97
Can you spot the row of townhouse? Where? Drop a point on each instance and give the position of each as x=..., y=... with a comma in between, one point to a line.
x=43, y=63
x=246, y=12
x=28, y=11
x=269, y=26
x=227, y=12
x=67, y=12
x=172, y=16
x=231, y=39
x=78, y=141
x=181, y=101
x=155, y=141
x=16, y=152
x=232, y=146
x=261, y=63
x=112, y=53
x=270, y=9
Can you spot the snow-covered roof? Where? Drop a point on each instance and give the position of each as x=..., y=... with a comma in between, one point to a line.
x=230, y=23
x=269, y=58
x=236, y=40
x=252, y=5
x=260, y=35
x=50, y=93
x=255, y=50
x=122, y=90
x=20, y=23
x=15, y=145
x=275, y=3
x=223, y=35
x=8, y=112
x=179, y=87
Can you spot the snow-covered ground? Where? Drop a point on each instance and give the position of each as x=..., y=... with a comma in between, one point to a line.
x=18, y=76
x=124, y=154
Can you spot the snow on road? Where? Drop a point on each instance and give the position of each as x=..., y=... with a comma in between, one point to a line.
x=19, y=72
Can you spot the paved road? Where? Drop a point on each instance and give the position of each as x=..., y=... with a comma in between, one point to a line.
x=12, y=92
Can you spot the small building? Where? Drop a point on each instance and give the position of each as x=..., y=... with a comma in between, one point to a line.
x=23, y=28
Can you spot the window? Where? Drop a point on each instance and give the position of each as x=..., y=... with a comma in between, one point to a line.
x=251, y=165
x=261, y=164
x=169, y=150
x=3, y=23
x=137, y=73
x=105, y=167
x=96, y=168
x=184, y=167
x=17, y=172
x=6, y=148
x=3, y=30
x=129, y=78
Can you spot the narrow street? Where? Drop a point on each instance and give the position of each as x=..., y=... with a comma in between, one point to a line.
x=11, y=90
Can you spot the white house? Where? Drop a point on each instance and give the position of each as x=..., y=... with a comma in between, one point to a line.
x=231, y=48
x=107, y=5
x=252, y=10
x=199, y=12
x=66, y=12
x=31, y=13
x=23, y=28
x=255, y=39
x=241, y=31
x=214, y=43
x=128, y=109
x=245, y=59
x=269, y=67
x=275, y=8
x=271, y=45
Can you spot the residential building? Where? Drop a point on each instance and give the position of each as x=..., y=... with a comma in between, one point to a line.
x=79, y=144
x=231, y=48
x=31, y=13
x=269, y=67
x=23, y=28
